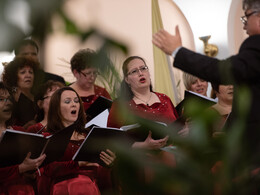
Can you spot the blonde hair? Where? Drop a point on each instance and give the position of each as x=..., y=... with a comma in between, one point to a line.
x=188, y=79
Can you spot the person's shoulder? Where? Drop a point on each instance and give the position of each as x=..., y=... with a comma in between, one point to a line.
x=251, y=41
x=17, y=128
x=101, y=91
x=162, y=95
x=99, y=88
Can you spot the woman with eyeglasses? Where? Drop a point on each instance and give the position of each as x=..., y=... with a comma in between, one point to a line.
x=66, y=176
x=14, y=179
x=138, y=99
x=42, y=99
x=83, y=68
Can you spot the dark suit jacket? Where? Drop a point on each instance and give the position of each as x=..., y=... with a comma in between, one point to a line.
x=240, y=70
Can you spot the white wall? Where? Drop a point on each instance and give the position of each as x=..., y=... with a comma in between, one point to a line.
x=208, y=17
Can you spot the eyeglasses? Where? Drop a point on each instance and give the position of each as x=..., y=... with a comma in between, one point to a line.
x=88, y=74
x=246, y=16
x=136, y=70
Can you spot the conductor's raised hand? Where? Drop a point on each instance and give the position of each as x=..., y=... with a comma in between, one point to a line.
x=167, y=42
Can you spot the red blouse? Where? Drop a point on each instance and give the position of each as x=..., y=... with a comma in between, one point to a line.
x=162, y=111
x=99, y=91
x=36, y=128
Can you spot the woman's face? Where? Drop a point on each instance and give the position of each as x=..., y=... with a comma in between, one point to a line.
x=225, y=93
x=47, y=98
x=199, y=86
x=138, y=75
x=87, y=76
x=25, y=78
x=5, y=105
x=69, y=107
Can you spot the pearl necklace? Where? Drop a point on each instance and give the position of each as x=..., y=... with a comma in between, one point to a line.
x=146, y=102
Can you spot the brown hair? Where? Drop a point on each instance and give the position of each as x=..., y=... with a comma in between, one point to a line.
x=54, y=123
x=84, y=58
x=43, y=89
x=125, y=91
x=26, y=42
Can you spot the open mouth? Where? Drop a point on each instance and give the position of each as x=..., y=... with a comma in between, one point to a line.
x=73, y=112
x=142, y=80
x=200, y=90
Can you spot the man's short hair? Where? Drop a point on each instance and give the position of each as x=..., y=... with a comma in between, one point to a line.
x=251, y=4
x=26, y=42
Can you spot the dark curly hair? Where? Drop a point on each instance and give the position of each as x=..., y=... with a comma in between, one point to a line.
x=10, y=74
x=84, y=58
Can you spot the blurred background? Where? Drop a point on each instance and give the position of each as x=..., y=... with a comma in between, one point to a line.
x=58, y=26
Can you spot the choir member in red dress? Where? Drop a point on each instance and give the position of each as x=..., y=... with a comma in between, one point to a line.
x=12, y=178
x=84, y=69
x=138, y=99
x=68, y=176
x=42, y=98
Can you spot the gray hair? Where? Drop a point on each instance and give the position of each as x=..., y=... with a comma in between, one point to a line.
x=251, y=4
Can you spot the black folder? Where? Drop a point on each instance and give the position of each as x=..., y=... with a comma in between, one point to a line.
x=99, y=139
x=99, y=105
x=14, y=145
x=140, y=130
x=194, y=98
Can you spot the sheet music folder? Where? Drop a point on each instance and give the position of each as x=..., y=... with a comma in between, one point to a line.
x=99, y=105
x=189, y=96
x=99, y=139
x=14, y=145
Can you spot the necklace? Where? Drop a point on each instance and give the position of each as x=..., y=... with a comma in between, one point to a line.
x=146, y=102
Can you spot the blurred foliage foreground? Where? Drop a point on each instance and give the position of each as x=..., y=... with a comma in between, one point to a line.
x=204, y=165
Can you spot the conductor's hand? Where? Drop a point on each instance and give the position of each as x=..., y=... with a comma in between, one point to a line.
x=31, y=164
x=151, y=143
x=167, y=42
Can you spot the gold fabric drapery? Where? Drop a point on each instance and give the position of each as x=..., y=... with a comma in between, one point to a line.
x=163, y=73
